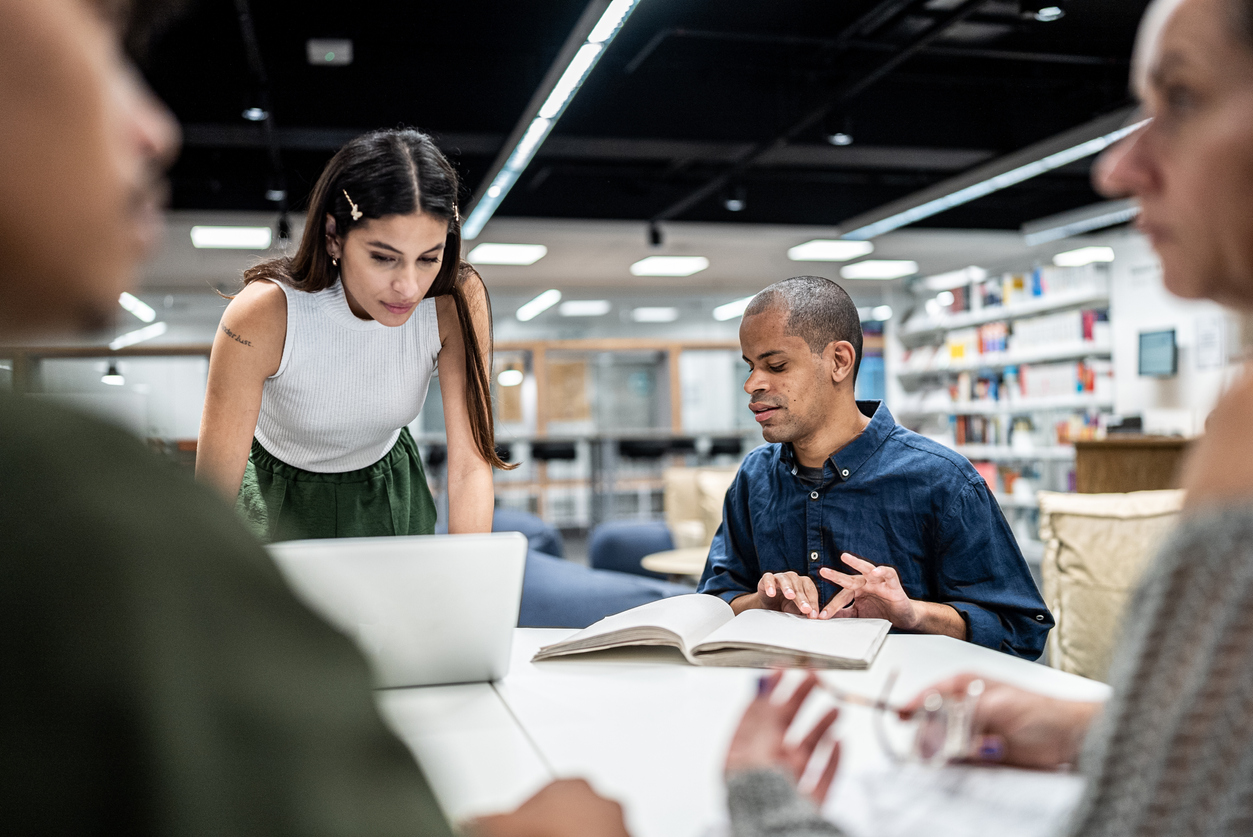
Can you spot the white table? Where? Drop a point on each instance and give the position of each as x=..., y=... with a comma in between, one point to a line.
x=644, y=726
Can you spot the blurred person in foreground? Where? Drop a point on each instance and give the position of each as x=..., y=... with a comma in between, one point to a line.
x=1171, y=752
x=158, y=676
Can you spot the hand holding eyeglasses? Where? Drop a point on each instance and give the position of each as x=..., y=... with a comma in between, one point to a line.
x=1013, y=726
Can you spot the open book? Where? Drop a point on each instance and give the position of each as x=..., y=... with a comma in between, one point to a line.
x=709, y=633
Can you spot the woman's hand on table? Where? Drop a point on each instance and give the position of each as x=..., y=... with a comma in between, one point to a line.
x=1016, y=727
x=759, y=742
x=565, y=808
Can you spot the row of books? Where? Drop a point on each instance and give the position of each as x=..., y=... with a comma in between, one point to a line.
x=966, y=346
x=1023, y=434
x=1017, y=288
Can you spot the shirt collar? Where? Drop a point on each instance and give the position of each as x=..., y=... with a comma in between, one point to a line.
x=853, y=455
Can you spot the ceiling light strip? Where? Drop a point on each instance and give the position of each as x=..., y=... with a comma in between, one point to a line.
x=1041, y=158
x=596, y=29
x=1086, y=219
x=139, y=335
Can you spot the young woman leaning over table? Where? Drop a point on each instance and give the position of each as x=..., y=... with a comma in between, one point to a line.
x=324, y=358
x=1171, y=753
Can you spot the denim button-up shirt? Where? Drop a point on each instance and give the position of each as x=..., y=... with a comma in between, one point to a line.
x=890, y=497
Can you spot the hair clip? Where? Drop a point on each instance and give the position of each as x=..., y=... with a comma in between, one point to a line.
x=356, y=213
x=456, y=213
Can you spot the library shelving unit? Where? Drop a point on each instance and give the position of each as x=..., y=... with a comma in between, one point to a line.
x=1010, y=371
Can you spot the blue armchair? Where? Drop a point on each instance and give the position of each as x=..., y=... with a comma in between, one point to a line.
x=621, y=544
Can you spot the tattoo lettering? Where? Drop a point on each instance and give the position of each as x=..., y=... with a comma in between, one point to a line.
x=236, y=337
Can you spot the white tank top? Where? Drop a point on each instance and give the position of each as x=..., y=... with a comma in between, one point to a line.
x=345, y=386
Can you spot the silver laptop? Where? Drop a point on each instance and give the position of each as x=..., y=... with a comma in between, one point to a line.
x=425, y=609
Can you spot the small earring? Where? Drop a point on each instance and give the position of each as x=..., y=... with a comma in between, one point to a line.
x=335, y=262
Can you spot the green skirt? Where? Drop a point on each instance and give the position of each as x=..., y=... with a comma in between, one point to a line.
x=390, y=497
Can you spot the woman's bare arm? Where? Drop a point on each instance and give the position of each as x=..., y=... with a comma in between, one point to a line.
x=470, y=494
x=246, y=350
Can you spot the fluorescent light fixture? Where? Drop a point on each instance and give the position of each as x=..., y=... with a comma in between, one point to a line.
x=882, y=313
x=830, y=250
x=139, y=335
x=112, y=376
x=955, y=278
x=530, y=310
x=732, y=310
x=669, y=266
x=994, y=183
x=879, y=269
x=510, y=377
x=585, y=308
x=611, y=21
x=231, y=238
x=137, y=306
x=1098, y=216
x=519, y=254
x=555, y=104
x=1049, y=14
x=655, y=315
x=570, y=80
x=1084, y=256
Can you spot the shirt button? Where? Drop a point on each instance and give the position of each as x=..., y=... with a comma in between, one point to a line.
x=844, y=473
x=813, y=495
x=813, y=556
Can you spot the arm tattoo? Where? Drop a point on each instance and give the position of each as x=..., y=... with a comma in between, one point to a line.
x=236, y=337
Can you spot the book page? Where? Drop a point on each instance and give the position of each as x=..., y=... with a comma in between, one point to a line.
x=850, y=639
x=690, y=618
x=953, y=801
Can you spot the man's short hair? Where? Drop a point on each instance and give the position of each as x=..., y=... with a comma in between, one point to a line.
x=819, y=312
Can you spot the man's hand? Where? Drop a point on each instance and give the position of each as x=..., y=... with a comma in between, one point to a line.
x=788, y=592
x=759, y=743
x=877, y=594
x=565, y=808
x=1016, y=727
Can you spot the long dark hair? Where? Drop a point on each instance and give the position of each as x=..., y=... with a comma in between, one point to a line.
x=396, y=172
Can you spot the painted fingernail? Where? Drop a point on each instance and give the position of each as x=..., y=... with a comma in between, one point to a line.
x=991, y=749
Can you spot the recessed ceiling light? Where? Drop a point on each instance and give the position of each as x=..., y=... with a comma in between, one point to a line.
x=1084, y=256
x=955, y=278
x=732, y=310
x=585, y=308
x=669, y=266
x=829, y=250
x=510, y=377
x=530, y=310
x=840, y=138
x=139, y=335
x=879, y=269
x=137, y=306
x=255, y=115
x=328, y=52
x=519, y=254
x=655, y=315
x=232, y=238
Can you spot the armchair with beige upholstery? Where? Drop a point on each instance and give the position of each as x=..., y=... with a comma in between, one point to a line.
x=1096, y=547
x=693, y=503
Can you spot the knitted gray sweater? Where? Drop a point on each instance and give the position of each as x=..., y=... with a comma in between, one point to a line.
x=1172, y=753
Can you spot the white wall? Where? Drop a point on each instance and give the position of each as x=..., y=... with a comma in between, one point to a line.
x=1140, y=302
x=163, y=396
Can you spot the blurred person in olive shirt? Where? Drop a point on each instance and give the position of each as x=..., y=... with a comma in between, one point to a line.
x=156, y=675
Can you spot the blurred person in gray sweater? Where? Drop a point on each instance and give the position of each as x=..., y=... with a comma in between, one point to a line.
x=1171, y=753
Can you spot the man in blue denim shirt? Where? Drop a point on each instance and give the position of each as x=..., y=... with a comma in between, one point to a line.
x=848, y=514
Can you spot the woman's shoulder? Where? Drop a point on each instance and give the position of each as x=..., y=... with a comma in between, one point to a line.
x=261, y=304
x=1220, y=467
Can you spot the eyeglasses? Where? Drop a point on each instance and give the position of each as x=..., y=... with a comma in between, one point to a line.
x=943, y=729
